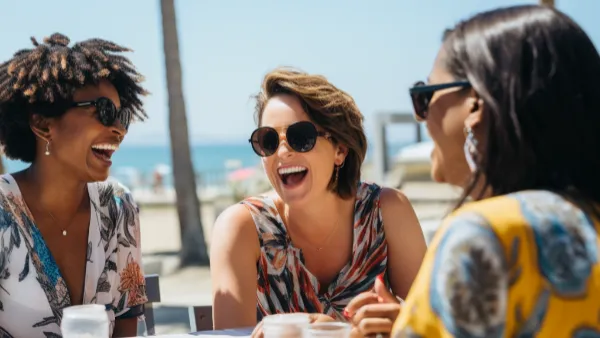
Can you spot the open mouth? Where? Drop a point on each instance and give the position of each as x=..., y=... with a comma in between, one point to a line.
x=292, y=176
x=104, y=151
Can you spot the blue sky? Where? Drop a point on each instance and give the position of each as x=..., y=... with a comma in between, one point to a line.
x=373, y=49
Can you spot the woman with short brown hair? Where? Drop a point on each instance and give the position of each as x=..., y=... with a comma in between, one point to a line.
x=323, y=236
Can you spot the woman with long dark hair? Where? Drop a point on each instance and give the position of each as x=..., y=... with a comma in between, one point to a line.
x=512, y=107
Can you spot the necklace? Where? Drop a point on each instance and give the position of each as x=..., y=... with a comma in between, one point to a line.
x=327, y=238
x=64, y=230
x=40, y=208
x=319, y=248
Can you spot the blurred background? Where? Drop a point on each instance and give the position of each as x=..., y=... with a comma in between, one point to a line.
x=203, y=60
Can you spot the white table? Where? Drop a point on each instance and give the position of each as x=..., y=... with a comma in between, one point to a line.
x=245, y=332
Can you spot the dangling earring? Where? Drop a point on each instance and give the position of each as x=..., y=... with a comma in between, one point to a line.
x=470, y=149
x=47, y=153
x=337, y=173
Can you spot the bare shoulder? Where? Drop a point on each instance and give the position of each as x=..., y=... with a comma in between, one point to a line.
x=236, y=217
x=235, y=227
x=392, y=199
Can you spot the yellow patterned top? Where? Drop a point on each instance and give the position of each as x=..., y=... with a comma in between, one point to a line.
x=520, y=265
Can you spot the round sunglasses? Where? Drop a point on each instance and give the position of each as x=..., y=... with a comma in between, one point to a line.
x=301, y=137
x=107, y=113
x=421, y=95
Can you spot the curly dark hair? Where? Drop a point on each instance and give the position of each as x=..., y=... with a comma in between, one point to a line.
x=42, y=81
x=330, y=108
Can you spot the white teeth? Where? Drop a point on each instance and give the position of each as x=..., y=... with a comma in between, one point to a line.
x=291, y=170
x=105, y=146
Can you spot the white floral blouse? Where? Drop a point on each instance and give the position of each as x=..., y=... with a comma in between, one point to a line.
x=32, y=290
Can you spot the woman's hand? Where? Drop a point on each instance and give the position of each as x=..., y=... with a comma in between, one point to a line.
x=373, y=312
x=313, y=317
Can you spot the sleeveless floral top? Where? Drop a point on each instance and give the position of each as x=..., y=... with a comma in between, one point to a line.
x=284, y=283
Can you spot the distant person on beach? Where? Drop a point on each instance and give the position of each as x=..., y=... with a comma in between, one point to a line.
x=157, y=182
x=66, y=236
x=512, y=107
x=323, y=236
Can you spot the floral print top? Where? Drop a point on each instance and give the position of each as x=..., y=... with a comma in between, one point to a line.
x=32, y=290
x=520, y=265
x=285, y=284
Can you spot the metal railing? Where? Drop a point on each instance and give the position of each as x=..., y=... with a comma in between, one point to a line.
x=383, y=120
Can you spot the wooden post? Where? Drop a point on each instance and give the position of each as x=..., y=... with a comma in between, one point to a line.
x=193, y=245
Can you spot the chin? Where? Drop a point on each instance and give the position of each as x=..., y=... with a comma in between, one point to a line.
x=295, y=198
x=437, y=173
x=437, y=176
x=97, y=176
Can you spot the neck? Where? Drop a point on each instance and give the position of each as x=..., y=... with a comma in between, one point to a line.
x=322, y=216
x=53, y=190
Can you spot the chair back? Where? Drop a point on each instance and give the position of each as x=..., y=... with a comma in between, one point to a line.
x=153, y=293
x=200, y=318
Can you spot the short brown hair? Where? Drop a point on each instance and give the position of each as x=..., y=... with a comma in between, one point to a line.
x=328, y=107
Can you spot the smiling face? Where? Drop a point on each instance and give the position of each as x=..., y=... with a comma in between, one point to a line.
x=79, y=142
x=297, y=177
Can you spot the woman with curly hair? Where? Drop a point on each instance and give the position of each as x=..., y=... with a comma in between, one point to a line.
x=512, y=106
x=66, y=236
x=323, y=236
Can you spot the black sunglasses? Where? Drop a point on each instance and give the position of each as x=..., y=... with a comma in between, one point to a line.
x=106, y=112
x=421, y=95
x=301, y=136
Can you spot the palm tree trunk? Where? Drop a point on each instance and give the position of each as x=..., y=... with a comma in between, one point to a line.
x=193, y=246
x=2, y=168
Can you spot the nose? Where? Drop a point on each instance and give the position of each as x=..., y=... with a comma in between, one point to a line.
x=284, y=150
x=119, y=130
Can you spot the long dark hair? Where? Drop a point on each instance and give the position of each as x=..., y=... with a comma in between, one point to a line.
x=538, y=74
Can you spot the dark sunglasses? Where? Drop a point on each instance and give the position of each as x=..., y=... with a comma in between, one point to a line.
x=301, y=136
x=106, y=112
x=421, y=95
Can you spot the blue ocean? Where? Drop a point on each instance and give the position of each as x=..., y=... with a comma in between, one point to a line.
x=210, y=160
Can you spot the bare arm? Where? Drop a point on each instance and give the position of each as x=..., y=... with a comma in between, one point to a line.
x=234, y=252
x=405, y=240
